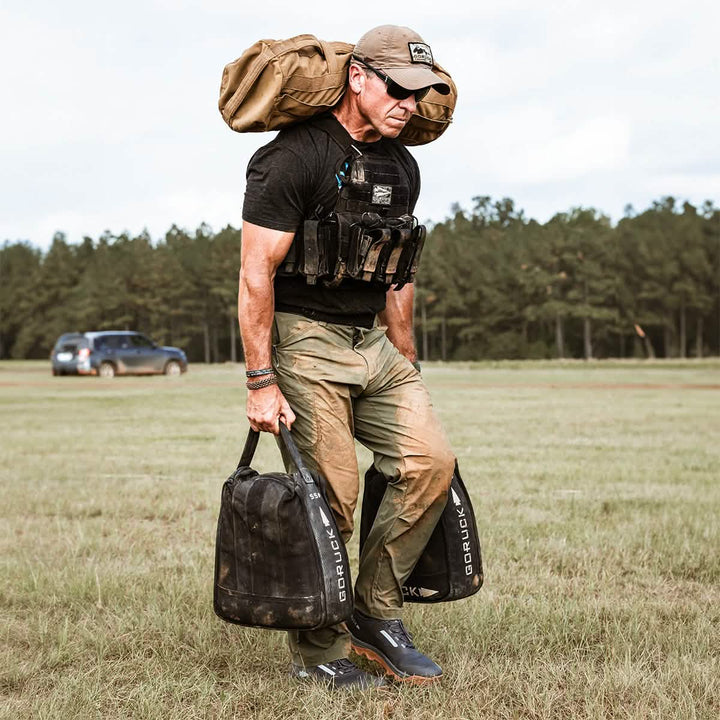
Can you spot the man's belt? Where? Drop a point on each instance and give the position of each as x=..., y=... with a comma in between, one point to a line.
x=363, y=320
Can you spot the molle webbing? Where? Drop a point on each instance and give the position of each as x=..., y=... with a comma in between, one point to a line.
x=369, y=235
x=374, y=185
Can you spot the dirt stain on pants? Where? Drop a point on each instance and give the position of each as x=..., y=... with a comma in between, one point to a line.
x=346, y=383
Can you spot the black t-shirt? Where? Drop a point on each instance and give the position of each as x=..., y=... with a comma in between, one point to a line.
x=292, y=177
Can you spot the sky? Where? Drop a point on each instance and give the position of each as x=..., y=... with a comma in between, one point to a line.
x=110, y=122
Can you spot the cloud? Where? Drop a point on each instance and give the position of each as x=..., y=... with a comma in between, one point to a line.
x=543, y=148
x=696, y=187
x=111, y=117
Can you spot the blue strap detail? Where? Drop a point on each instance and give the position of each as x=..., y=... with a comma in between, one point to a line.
x=341, y=175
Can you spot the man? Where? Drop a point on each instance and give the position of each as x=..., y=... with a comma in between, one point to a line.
x=325, y=306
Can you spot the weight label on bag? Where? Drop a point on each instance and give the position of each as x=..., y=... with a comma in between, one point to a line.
x=337, y=555
x=464, y=532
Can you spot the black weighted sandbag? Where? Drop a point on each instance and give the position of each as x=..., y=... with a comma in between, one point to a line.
x=279, y=559
x=450, y=567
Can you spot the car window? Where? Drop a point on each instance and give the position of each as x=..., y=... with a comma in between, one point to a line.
x=70, y=345
x=140, y=341
x=111, y=342
x=68, y=342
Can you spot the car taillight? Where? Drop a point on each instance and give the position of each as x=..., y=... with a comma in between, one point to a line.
x=84, y=353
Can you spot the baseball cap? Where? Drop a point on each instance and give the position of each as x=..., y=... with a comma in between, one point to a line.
x=402, y=55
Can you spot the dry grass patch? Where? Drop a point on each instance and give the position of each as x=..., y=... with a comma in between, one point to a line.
x=598, y=507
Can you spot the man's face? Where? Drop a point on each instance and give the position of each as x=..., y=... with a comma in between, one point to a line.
x=385, y=114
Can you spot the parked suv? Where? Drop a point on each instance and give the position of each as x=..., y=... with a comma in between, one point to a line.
x=114, y=352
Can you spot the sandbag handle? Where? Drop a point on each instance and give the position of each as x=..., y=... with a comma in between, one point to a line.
x=251, y=445
x=294, y=453
x=330, y=56
x=249, y=449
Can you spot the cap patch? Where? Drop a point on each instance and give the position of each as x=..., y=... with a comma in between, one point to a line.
x=420, y=53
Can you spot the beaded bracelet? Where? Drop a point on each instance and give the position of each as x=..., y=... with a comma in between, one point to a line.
x=257, y=373
x=258, y=384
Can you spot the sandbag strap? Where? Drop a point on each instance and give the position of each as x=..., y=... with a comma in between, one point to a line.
x=249, y=449
x=258, y=65
x=330, y=57
x=286, y=438
x=296, y=458
x=294, y=454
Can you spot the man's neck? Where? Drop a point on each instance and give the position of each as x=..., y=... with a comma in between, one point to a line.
x=358, y=128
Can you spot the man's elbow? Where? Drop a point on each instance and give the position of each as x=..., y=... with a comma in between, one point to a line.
x=255, y=280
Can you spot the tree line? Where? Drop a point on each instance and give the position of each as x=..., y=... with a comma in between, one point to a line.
x=492, y=284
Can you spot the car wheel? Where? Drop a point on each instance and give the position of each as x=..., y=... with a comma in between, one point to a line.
x=106, y=370
x=55, y=372
x=173, y=368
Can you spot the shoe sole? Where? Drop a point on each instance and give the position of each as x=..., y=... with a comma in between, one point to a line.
x=390, y=669
x=312, y=679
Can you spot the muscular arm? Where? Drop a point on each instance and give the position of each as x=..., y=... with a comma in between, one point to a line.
x=263, y=250
x=398, y=316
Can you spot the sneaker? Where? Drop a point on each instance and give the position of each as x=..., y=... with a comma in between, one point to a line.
x=338, y=674
x=390, y=644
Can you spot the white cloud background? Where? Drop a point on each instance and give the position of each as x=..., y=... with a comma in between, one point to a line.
x=109, y=115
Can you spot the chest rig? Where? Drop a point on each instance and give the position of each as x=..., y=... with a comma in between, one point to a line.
x=370, y=234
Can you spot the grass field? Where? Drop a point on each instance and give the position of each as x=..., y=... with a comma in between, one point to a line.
x=597, y=492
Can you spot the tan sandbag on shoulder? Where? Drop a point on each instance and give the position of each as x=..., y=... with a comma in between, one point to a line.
x=432, y=115
x=276, y=83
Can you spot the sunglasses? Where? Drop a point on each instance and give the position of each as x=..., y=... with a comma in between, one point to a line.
x=398, y=92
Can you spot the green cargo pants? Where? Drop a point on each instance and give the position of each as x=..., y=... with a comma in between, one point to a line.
x=342, y=383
